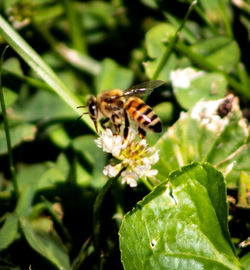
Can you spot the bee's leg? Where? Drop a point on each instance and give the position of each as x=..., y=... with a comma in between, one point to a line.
x=103, y=122
x=117, y=126
x=142, y=133
x=126, y=128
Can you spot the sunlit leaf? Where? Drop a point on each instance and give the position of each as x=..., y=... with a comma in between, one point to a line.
x=205, y=86
x=46, y=243
x=113, y=76
x=8, y=231
x=182, y=224
x=156, y=42
x=212, y=131
x=20, y=133
x=221, y=51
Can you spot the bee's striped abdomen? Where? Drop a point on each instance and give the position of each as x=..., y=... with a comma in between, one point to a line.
x=142, y=114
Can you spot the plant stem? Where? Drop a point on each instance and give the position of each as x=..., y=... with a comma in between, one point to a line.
x=147, y=184
x=225, y=18
x=78, y=41
x=204, y=18
x=171, y=44
x=7, y=133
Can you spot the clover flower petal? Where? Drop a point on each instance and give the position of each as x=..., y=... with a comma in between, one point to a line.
x=129, y=178
x=135, y=156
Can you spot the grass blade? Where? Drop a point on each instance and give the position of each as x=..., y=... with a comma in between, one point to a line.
x=40, y=67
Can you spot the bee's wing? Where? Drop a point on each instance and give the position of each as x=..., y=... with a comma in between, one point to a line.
x=142, y=89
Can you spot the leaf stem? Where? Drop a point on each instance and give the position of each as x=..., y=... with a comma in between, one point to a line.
x=78, y=41
x=172, y=42
x=225, y=18
x=200, y=12
x=7, y=132
x=147, y=184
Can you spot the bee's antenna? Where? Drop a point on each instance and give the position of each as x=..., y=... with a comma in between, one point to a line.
x=78, y=107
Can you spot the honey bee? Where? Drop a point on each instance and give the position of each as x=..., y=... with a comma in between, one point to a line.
x=119, y=107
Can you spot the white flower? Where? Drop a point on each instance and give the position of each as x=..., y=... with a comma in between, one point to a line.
x=135, y=156
x=111, y=171
x=183, y=77
x=129, y=178
x=110, y=143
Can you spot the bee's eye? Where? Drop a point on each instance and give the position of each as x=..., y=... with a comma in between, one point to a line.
x=92, y=108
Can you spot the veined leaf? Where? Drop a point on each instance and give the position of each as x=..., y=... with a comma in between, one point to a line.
x=213, y=131
x=182, y=224
x=48, y=244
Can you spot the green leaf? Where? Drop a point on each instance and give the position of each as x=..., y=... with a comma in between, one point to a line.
x=20, y=133
x=244, y=187
x=220, y=51
x=94, y=157
x=29, y=175
x=9, y=97
x=8, y=231
x=24, y=204
x=245, y=261
x=182, y=224
x=211, y=9
x=203, y=135
x=156, y=42
x=13, y=65
x=113, y=76
x=51, y=177
x=206, y=86
x=46, y=242
x=43, y=106
x=59, y=136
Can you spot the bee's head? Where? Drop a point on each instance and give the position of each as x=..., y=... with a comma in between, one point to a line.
x=92, y=109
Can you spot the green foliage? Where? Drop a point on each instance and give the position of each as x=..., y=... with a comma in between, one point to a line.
x=201, y=135
x=57, y=209
x=169, y=228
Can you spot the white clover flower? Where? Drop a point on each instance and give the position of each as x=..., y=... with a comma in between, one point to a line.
x=129, y=178
x=135, y=156
x=183, y=77
x=111, y=171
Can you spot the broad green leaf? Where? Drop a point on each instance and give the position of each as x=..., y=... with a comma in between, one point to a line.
x=245, y=261
x=220, y=51
x=63, y=164
x=8, y=231
x=25, y=201
x=43, y=106
x=28, y=175
x=212, y=9
x=113, y=76
x=50, y=178
x=190, y=86
x=13, y=65
x=165, y=111
x=95, y=158
x=156, y=42
x=9, y=97
x=46, y=242
x=182, y=224
x=59, y=136
x=203, y=135
x=20, y=133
